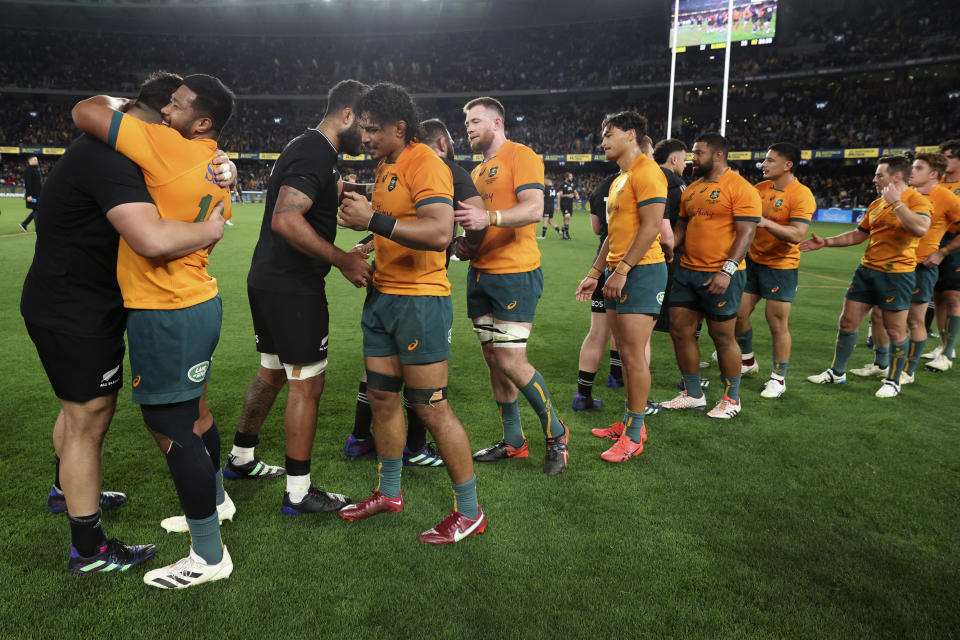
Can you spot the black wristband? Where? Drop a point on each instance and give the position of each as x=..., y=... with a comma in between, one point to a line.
x=382, y=224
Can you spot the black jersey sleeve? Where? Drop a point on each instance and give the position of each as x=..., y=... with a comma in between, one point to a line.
x=115, y=180
x=463, y=187
x=309, y=173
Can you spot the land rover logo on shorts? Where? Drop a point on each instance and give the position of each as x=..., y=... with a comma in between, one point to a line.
x=493, y=171
x=715, y=194
x=393, y=184
x=778, y=203
x=449, y=336
x=198, y=372
x=660, y=297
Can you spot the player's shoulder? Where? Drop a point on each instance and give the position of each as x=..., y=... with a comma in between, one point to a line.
x=519, y=150
x=764, y=185
x=912, y=196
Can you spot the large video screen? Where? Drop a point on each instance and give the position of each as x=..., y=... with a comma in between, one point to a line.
x=704, y=22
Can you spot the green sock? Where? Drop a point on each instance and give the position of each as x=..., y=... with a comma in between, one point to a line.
x=465, y=498
x=882, y=359
x=899, y=360
x=510, y=421
x=634, y=423
x=221, y=496
x=731, y=386
x=916, y=348
x=536, y=394
x=846, y=341
x=780, y=368
x=745, y=340
x=691, y=382
x=389, y=470
x=950, y=337
x=205, y=538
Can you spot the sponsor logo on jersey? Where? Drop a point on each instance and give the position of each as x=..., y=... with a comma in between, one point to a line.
x=413, y=345
x=198, y=372
x=211, y=174
x=393, y=184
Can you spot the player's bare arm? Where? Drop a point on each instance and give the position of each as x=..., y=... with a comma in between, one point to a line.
x=792, y=233
x=680, y=233
x=290, y=224
x=589, y=284
x=431, y=230
x=651, y=217
x=528, y=210
x=94, y=115
x=913, y=223
x=154, y=237
x=666, y=239
x=471, y=239
x=935, y=258
x=717, y=283
x=847, y=239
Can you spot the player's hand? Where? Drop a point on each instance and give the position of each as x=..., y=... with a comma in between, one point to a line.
x=667, y=253
x=933, y=260
x=356, y=269
x=812, y=243
x=717, y=284
x=892, y=192
x=763, y=223
x=355, y=211
x=586, y=289
x=462, y=249
x=471, y=218
x=613, y=286
x=224, y=169
x=363, y=250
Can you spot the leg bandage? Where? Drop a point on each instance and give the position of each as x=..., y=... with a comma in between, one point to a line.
x=510, y=336
x=383, y=382
x=428, y=396
x=483, y=327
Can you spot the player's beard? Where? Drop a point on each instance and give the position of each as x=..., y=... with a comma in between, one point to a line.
x=704, y=169
x=482, y=142
x=351, y=140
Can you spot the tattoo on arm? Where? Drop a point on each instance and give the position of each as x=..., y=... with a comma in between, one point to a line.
x=290, y=200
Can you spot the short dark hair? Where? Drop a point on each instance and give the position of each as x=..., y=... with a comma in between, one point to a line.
x=897, y=164
x=214, y=100
x=627, y=120
x=433, y=129
x=715, y=141
x=156, y=90
x=387, y=103
x=490, y=103
x=343, y=95
x=788, y=151
x=937, y=162
x=664, y=148
x=952, y=145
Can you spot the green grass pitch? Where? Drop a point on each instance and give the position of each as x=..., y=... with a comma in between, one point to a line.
x=825, y=514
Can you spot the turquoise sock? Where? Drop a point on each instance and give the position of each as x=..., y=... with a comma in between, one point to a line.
x=221, y=496
x=846, y=341
x=205, y=538
x=691, y=382
x=950, y=339
x=899, y=360
x=536, y=394
x=465, y=498
x=745, y=340
x=916, y=348
x=389, y=471
x=882, y=359
x=634, y=423
x=731, y=386
x=780, y=368
x=510, y=420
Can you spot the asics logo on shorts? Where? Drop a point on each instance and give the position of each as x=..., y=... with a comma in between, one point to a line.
x=917, y=290
x=775, y=289
x=512, y=305
x=623, y=299
x=891, y=298
x=136, y=381
x=413, y=345
x=721, y=303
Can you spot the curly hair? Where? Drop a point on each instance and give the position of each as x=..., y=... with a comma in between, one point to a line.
x=388, y=103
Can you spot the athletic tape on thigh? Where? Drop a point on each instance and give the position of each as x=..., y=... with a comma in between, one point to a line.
x=383, y=382
x=304, y=371
x=270, y=361
x=483, y=327
x=510, y=336
x=429, y=396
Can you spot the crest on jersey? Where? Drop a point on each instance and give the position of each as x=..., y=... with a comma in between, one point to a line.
x=715, y=194
x=493, y=171
x=393, y=184
x=778, y=203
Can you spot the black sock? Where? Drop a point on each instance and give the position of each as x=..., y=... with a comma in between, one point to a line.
x=585, y=383
x=928, y=319
x=616, y=367
x=297, y=467
x=416, y=431
x=86, y=534
x=56, y=473
x=246, y=440
x=211, y=440
x=363, y=415
x=544, y=232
